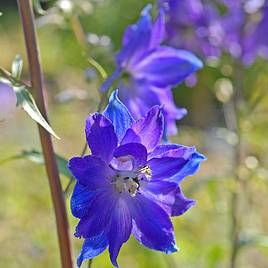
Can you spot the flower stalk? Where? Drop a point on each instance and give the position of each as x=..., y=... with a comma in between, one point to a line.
x=237, y=102
x=37, y=83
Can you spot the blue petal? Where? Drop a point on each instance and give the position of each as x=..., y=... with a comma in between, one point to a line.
x=101, y=136
x=166, y=66
x=166, y=167
x=148, y=130
x=90, y=171
x=109, y=81
x=136, y=40
x=158, y=30
x=176, y=164
x=92, y=247
x=118, y=113
x=136, y=151
x=190, y=168
x=99, y=214
x=173, y=150
x=151, y=225
x=168, y=196
x=81, y=200
x=121, y=226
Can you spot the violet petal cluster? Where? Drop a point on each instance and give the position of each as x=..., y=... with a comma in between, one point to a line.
x=210, y=28
x=130, y=184
x=152, y=69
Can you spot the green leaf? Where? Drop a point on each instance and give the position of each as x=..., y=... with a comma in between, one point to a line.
x=27, y=102
x=16, y=68
x=37, y=157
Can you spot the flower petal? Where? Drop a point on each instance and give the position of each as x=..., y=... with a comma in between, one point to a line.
x=92, y=247
x=80, y=200
x=136, y=40
x=121, y=226
x=166, y=167
x=172, y=150
x=99, y=214
x=166, y=66
x=90, y=171
x=169, y=196
x=172, y=168
x=118, y=113
x=158, y=30
x=136, y=151
x=190, y=168
x=152, y=226
x=101, y=136
x=148, y=130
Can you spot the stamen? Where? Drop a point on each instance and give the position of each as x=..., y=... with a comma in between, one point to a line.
x=131, y=181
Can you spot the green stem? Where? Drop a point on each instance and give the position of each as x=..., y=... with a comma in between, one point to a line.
x=237, y=102
x=37, y=83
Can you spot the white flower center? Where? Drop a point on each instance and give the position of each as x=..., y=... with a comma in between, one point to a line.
x=130, y=181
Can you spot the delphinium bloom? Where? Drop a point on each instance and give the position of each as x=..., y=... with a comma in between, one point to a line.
x=149, y=70
x=194, y=25
x=240, y=30
x=8, y=101
x=130, y=184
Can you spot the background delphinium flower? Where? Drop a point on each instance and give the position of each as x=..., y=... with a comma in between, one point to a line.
x=130, y=183
x=151, y=69
x=210, y=28
x=193, y=25
x=8, y=101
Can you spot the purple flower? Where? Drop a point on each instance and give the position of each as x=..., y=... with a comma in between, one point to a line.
x=128, y=180
x=8, y=101
x=203, y=28
x=193, y=25
x=152, y=69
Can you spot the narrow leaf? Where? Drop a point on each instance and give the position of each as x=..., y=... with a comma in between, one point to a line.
x=27, y=102
x=25, y=99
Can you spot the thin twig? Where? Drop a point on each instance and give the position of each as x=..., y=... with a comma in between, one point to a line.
x=27, y=19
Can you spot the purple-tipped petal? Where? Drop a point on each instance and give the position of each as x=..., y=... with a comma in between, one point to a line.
x=118, y=113
x=166, y=66
x=101, y=136
x=148, y=129
x=92, y=247
x=135, y=151
x=90, y=171
x=169, y=196
x=120, y=230
x=182, y=203
x=81, y=200
x=152, y=226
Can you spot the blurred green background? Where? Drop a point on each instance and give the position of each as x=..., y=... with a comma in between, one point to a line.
x=27, y=225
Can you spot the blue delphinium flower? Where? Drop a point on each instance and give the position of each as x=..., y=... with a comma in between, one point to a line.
x=130, y=183
x=152, y=69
